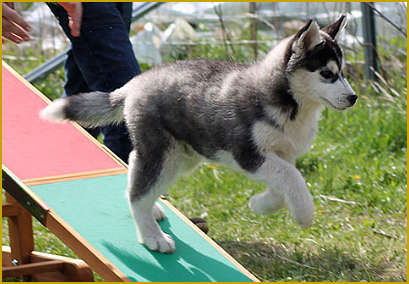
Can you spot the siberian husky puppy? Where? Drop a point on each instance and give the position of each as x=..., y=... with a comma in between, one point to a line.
x=256, y=118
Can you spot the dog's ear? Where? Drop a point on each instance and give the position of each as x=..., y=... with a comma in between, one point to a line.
x=334, y=29
x=306, y=39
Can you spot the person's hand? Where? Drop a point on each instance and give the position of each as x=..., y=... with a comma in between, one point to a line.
x=14, y=27
x=74, y=10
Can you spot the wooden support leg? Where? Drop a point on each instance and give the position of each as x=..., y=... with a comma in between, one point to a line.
x=20, y=232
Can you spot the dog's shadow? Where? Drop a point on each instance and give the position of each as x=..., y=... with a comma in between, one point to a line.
x=276, y=263
x=187, y=264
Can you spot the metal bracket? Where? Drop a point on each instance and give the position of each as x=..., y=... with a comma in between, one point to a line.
x=24, y=195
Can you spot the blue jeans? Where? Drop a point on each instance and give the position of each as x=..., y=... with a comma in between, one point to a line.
x=101, y=59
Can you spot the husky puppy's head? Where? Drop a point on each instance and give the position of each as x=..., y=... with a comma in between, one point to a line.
x=315, y=66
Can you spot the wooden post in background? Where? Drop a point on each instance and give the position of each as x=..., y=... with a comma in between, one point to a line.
x=253, y=27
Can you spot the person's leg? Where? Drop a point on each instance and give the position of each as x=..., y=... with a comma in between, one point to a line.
x=75, y=84
x=116, y=138
x=104, y=52
x=104, y=56
x=74, y=81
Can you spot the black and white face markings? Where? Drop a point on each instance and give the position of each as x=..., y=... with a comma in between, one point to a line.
x=327, y=58
x=331, y=73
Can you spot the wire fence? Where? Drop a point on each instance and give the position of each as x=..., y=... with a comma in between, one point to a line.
x=235, y=31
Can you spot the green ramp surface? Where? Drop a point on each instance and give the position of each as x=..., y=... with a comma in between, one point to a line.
x=97, y=208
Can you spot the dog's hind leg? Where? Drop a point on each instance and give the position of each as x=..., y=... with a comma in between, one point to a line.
x=150, y=176
x=289, y=186
x=158, y=212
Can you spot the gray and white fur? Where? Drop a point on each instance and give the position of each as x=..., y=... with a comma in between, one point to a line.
x=256, y=118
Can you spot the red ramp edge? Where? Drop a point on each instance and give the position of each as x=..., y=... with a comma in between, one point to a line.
x=35, y=149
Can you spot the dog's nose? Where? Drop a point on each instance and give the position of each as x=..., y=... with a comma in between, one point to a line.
x=352, y=99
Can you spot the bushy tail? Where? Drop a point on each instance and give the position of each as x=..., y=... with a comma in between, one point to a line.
x=88, y=109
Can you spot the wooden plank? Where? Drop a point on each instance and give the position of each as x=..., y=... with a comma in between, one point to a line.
x=84, y=175
x=84, y=249
x=32, y=268
x=72, y=270
x=10, y=209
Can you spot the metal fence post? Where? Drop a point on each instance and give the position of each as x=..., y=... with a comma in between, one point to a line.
x=369, y=33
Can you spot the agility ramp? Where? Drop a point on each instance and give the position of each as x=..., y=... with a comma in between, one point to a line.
x=76, y=188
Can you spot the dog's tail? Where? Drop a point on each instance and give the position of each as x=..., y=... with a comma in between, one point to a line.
x=88, y=109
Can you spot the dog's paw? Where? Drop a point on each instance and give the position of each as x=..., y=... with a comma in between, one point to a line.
x=158, y=212
x=305, y=220
x=303, y=211
x=161, y=243
x=266, y=203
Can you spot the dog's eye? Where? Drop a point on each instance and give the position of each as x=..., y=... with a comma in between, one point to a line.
x=327, y=74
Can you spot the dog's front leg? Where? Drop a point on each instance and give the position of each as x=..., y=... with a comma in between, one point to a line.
x=285, y=186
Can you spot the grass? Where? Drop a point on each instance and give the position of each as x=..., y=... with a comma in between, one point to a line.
x=356, y=171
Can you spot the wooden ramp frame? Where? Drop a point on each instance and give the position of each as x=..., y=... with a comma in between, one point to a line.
x=20, y=259
x=75, y=187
